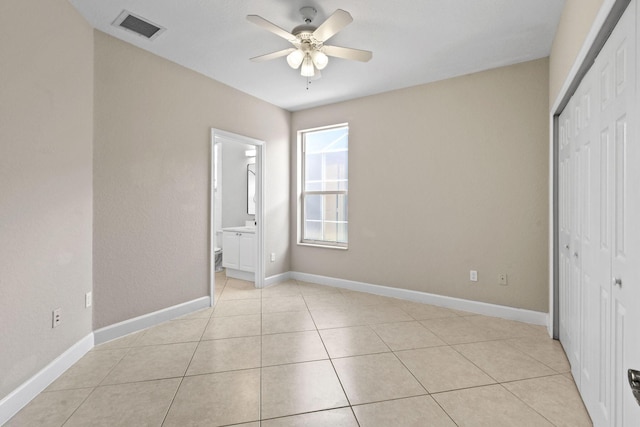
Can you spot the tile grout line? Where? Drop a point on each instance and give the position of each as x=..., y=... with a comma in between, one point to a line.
x=533, y=357
x=76, y=410
x=529, y=406
x=407, y=368
x=175, y=394
x=331, y=362
x=516, y=349
x=173, y=399
x=501, y=384
x=294, y=415
x=99, y=383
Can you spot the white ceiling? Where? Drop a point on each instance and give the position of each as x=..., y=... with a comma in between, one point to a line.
x=413, y=41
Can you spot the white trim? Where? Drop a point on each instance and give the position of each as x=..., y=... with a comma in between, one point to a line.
x=218, y=135
x=319, y=245
x=21, y=396
x=249, y=276
x=511, y=313
x=598, y=22
x=552, y=224
x=139, y=323
x=272, y=280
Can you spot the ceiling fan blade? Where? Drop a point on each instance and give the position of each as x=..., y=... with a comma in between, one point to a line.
x=261, y=22
x=273, y=55
x=336, y=22
x=347, y=53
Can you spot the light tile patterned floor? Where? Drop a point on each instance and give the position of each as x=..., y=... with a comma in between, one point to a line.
x=298, y=354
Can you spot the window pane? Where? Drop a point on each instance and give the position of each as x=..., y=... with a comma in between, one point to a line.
x=313, y=230
x=342, y=232
x=313, y=207
x=325, y=217
x=326, y=139
x=313, y=171
x=336, y=171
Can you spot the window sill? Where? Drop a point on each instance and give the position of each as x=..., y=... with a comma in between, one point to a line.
x=315, y=245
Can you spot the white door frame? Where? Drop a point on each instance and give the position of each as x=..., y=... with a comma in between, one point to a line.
x=218, y=135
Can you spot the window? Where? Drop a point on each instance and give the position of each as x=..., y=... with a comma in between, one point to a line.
x=325, y=154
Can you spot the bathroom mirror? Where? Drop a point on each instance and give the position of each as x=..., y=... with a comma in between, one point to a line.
x=251, y=189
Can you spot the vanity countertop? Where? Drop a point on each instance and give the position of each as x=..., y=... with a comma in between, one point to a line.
x=241, y=229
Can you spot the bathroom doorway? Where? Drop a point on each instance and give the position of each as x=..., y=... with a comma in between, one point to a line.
x=246, y=193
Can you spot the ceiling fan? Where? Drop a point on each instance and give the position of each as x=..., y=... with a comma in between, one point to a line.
x=309, y=51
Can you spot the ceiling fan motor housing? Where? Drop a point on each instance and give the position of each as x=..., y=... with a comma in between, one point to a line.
x=308, y=14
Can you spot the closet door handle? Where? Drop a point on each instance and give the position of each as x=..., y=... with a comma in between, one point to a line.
x=566, y=247
x=617, y=281
x=575, y=254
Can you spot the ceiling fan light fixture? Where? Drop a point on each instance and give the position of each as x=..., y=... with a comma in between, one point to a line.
x=320, y=60
x=307, y=69
x=295, y=58
x=309, y=51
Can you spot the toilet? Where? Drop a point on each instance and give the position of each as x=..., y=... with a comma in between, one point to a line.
x=217, y=253
x=218, y=259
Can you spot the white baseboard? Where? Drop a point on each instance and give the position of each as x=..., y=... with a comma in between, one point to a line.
x=139, y=323
x=21, y=396
x=505, y=312
x=272, y=280
x=249, y=276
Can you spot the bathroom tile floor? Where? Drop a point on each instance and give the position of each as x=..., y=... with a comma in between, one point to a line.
x=299, y=354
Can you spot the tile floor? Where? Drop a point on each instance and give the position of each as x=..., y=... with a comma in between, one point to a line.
x=298, y=354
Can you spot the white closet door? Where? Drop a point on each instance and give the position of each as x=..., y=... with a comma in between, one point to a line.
x=599, y=217
x=620, y=216
x=587, y=246
x=625, y=276
x=565, y=186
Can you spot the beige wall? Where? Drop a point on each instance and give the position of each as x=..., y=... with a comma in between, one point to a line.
x=575, y=23
x=151, y=178
x=46, y=92
x=445, y=178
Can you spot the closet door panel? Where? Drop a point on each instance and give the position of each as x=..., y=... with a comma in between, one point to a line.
x=565, y=214
x=625, y=177
x=599, y=224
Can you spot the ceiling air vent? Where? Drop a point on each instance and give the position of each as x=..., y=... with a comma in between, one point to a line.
x=138, y=25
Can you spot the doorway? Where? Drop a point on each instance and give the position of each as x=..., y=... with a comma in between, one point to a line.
x=254, y=200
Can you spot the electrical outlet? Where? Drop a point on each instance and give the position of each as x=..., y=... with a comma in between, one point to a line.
x=473, y=275
x=87, y=299
x=273, y=257
x=502, y=279
x=56, y=318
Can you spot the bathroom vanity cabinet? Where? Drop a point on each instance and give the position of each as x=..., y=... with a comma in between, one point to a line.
x=238, y=251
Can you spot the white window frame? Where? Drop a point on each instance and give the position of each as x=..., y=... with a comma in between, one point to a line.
x=302, y=193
